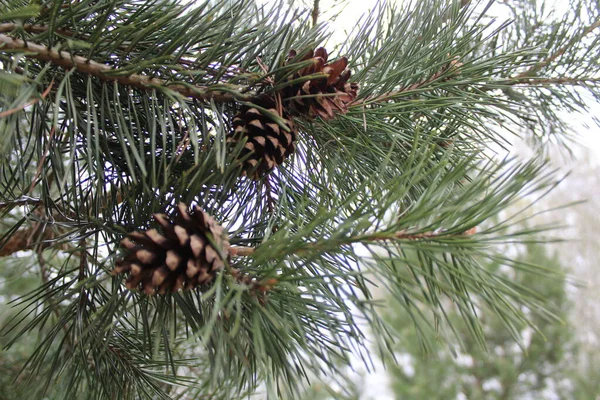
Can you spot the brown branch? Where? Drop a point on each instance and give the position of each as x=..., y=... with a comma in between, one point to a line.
x=17, y=242
x=454, y=64
x=548, y=81
x=31, y=238
x=82, y=260
x=107, y=73
x=30, y=103
x=22, y=201
x=240, y=251
x=536, y=67
x=315, y=12
x=10, y=27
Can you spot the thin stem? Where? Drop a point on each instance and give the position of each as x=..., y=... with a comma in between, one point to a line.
x=30, y=103
x=240, y=251
x=552, y=57
x=453, y=64
x=82, y=260
x=315, y=12
x=9, y=27
x=22, y=201
x=270, y=200
x=524, y=80
x=107, y=73
x=548, y=81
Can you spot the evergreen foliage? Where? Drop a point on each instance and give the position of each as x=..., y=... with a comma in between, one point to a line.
x=112, y=111
x=544, y=367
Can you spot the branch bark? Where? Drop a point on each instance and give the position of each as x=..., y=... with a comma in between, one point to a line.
x=453, y=64
x=67, y=60
x=552, y=57
x=22, y=201
x=567, y=80
x=29, y=103
x=9, y=27
x=315, y=13
x=240, y=251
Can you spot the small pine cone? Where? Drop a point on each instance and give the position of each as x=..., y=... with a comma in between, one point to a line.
x=267, y=144
x=321, y=97
x=183, y=256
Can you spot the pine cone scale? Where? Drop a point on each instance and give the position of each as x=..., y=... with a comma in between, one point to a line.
x=321, y=97
x=187, y=253
x=268, y=144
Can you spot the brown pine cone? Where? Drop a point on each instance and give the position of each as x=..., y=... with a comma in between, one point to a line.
x=321, y=97
x=267, y=143
x=188, y=252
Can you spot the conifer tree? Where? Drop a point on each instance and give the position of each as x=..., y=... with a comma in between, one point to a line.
x=205, y=193
x=543, y=367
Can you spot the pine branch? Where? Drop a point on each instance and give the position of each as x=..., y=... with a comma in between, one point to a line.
x=22, y=201
x=452, y=66
x=238, y=251
x=568, y=81
x=18, y=241
x=30, y=103
x=552, y=57
x=315, y=12
x=107, y=73
x=31, y=28
x=337, y=192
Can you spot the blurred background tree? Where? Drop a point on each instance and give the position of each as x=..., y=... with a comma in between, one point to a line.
x=544, y=366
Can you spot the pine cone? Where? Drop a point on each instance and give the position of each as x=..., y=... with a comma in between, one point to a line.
x=324, y=96
x=184, y=255
x=267, y=144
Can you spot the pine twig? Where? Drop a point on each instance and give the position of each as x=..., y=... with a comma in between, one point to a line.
x=315, y=12
x=22, y=201
x=453, y=64
x=552, y=57
x=240, y=251
x=18, y=241
x=257, y=286
x=9, y=27
x=30, y=103
x=530, y=81
x=67, y=60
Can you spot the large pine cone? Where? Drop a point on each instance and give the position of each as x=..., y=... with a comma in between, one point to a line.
x=184, y=255
x=267, y=144
x=321, y=97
